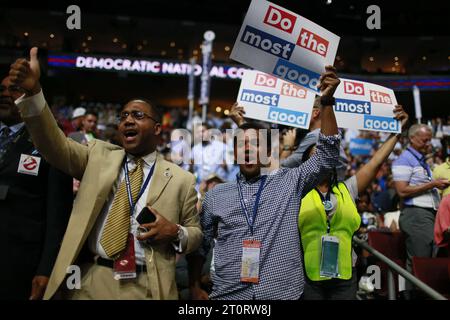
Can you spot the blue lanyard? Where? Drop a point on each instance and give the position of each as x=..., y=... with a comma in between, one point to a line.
x=251, y=220
x=144, y=186
x=324, y=200
x=422, y=163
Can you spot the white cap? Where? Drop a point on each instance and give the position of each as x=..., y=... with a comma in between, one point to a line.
x=78, y=112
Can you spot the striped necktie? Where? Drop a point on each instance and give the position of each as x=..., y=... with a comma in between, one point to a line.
x=5, y=140
x=117, y=227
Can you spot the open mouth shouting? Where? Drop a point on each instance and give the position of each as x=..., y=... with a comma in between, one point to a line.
x=130, y=135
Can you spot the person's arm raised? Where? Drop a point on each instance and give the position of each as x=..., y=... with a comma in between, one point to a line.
x=367, y=173
x=329, y=81
x=65, y=154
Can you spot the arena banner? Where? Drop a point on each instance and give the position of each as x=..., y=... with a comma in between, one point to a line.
x=267, y=98
x=279, y=42
x=365, y=106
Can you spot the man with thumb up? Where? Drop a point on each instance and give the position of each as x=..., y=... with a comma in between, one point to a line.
x=118, y=184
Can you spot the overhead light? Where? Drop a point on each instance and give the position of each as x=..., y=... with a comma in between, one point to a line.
x=86, y=50
x=226, y=112
x=371, y=59
x=180, y=51
x=338, y=58
x=124, y=46
x=396, y=63
x=195, y=52
x=52, y=35
x=89, y=38
x=115, y=40
x=139, y=47
x=26, y=34
x=227, y=48
x=393, y=69
x=329, y=2
x=84, y=44
x=218, y=109
x=424, y=58
x=396, y=58
x=172, y=44
x=163, y=53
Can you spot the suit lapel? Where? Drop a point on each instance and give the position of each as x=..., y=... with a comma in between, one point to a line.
x=161, y=177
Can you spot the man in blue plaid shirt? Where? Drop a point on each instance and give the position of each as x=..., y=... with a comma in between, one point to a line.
x=254, y=220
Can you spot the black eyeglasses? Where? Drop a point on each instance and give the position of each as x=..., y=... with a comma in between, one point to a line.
x=11, y=89
x=136, y=114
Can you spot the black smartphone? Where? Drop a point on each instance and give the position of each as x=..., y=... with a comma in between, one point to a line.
x=145, y=216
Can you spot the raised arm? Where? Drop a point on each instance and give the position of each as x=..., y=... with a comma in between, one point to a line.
x=61, y=152
x=311, y=172
x=328, y=84
x=368, y=172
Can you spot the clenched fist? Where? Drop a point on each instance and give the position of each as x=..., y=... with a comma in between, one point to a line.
x=25, y=74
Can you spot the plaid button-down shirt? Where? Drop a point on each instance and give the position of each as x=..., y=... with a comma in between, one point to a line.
x=280, y=264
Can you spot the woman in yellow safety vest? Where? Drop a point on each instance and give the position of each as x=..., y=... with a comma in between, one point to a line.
x=328, y=218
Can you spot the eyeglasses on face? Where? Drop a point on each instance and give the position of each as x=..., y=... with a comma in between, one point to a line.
x=136, y=114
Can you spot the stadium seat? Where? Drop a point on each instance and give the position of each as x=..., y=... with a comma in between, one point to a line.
x=392, y=245
x=435, y=272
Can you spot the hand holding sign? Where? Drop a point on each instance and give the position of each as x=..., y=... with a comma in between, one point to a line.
x=237, y=114
x=329, y=81
x=26, y=74
x=402, y=116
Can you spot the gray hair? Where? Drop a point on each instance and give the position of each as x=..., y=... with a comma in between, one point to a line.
x=415, y=128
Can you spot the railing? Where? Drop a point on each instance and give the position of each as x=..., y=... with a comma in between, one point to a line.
x=405, y=274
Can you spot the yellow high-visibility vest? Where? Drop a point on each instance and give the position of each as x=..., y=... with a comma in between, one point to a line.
x=312, y=224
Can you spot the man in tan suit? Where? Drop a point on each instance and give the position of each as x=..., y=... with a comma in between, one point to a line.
x=116, y=184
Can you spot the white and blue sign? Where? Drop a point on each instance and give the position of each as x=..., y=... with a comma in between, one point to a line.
x=267, y=98
x=282, y=43
x=365, y=106
x=361, y=147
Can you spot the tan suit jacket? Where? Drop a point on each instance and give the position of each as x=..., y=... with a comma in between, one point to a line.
x=98, y=165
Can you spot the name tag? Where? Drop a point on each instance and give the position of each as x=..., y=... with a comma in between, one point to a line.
x=250, y=261
x=125, y=265
x=29, y=164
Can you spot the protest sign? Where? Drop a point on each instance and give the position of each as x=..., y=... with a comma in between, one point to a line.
x=267, y=98
x=361, y=147
x=279, y=42
x=365, y=106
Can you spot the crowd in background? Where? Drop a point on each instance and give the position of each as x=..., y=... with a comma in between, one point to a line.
x=379, y=205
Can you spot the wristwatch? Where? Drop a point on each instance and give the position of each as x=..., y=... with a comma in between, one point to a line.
x=179, y=233
x=327, y=101
x=287, y=147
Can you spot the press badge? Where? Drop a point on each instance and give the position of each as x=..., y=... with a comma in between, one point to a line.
x=250, y=261
x=125, y=265
x=29, y=164
x=329, y=257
